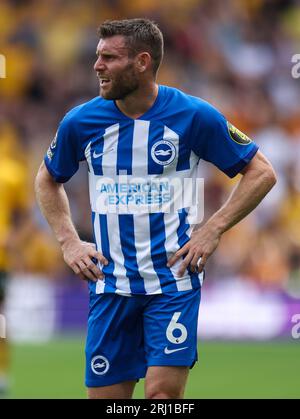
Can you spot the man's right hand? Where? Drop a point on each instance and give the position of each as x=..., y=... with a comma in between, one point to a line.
x=78, y=255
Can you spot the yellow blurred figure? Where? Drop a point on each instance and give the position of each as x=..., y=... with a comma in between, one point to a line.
x=19, y=67
x=289, y=216
x=13, y=202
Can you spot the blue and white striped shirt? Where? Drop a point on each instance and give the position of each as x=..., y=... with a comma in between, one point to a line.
x=137, y=169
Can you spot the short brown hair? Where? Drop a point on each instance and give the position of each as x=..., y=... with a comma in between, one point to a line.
x=141, y=35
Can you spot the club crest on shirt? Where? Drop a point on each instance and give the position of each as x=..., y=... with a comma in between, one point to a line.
x=238, y=136
x=163, y=152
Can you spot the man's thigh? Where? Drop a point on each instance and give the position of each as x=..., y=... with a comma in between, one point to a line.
x=170, y=329
x=114, y=346
x=115, y=391
x=166, y=382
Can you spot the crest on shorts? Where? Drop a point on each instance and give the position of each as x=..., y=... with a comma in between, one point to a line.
x=99, y=365
x=238, y=136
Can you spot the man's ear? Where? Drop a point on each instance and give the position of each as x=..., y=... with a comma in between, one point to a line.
x=143, y=61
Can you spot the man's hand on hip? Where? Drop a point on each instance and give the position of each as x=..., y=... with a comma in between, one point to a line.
x=78, y=255
x=202, y=244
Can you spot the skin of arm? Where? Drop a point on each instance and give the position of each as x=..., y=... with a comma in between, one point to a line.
x=257, y=180
x=54, y=204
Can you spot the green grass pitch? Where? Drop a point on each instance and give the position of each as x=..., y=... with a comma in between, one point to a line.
x=224, y=370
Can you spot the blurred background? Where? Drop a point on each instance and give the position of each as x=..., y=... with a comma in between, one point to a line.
x=236, y=54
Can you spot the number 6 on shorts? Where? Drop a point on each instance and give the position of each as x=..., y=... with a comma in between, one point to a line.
x=174, y=325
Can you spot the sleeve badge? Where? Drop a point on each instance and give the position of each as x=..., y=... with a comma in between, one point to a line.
x=238, y=136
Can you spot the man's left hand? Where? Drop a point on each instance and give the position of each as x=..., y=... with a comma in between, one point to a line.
x=202, y=244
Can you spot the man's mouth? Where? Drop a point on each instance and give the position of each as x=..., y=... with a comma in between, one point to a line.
x=104, y=81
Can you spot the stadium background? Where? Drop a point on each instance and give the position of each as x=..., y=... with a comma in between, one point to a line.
x=237, y=55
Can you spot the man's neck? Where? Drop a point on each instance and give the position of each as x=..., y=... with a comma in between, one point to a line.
x=139, y=102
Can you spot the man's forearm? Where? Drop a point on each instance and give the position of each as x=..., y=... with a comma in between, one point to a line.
x=55, y=207
x=247, y=194
x=54, y=204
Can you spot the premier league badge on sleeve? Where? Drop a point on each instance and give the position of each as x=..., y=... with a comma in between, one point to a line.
x=54, y=142
x=51, y=149
x=238, y=136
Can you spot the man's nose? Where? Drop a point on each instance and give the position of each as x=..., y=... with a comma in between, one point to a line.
x=99, y=64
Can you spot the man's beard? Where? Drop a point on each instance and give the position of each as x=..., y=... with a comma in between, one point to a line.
x=122, y=85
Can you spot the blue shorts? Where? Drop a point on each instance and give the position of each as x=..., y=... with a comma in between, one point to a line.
x=126, y=335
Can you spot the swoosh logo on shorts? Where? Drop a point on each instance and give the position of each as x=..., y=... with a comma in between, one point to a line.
x=170, y=351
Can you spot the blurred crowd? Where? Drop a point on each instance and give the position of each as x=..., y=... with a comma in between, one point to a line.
x=234, y=53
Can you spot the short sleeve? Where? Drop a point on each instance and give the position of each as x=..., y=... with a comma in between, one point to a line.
x=64, y=154
x=216, y=140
